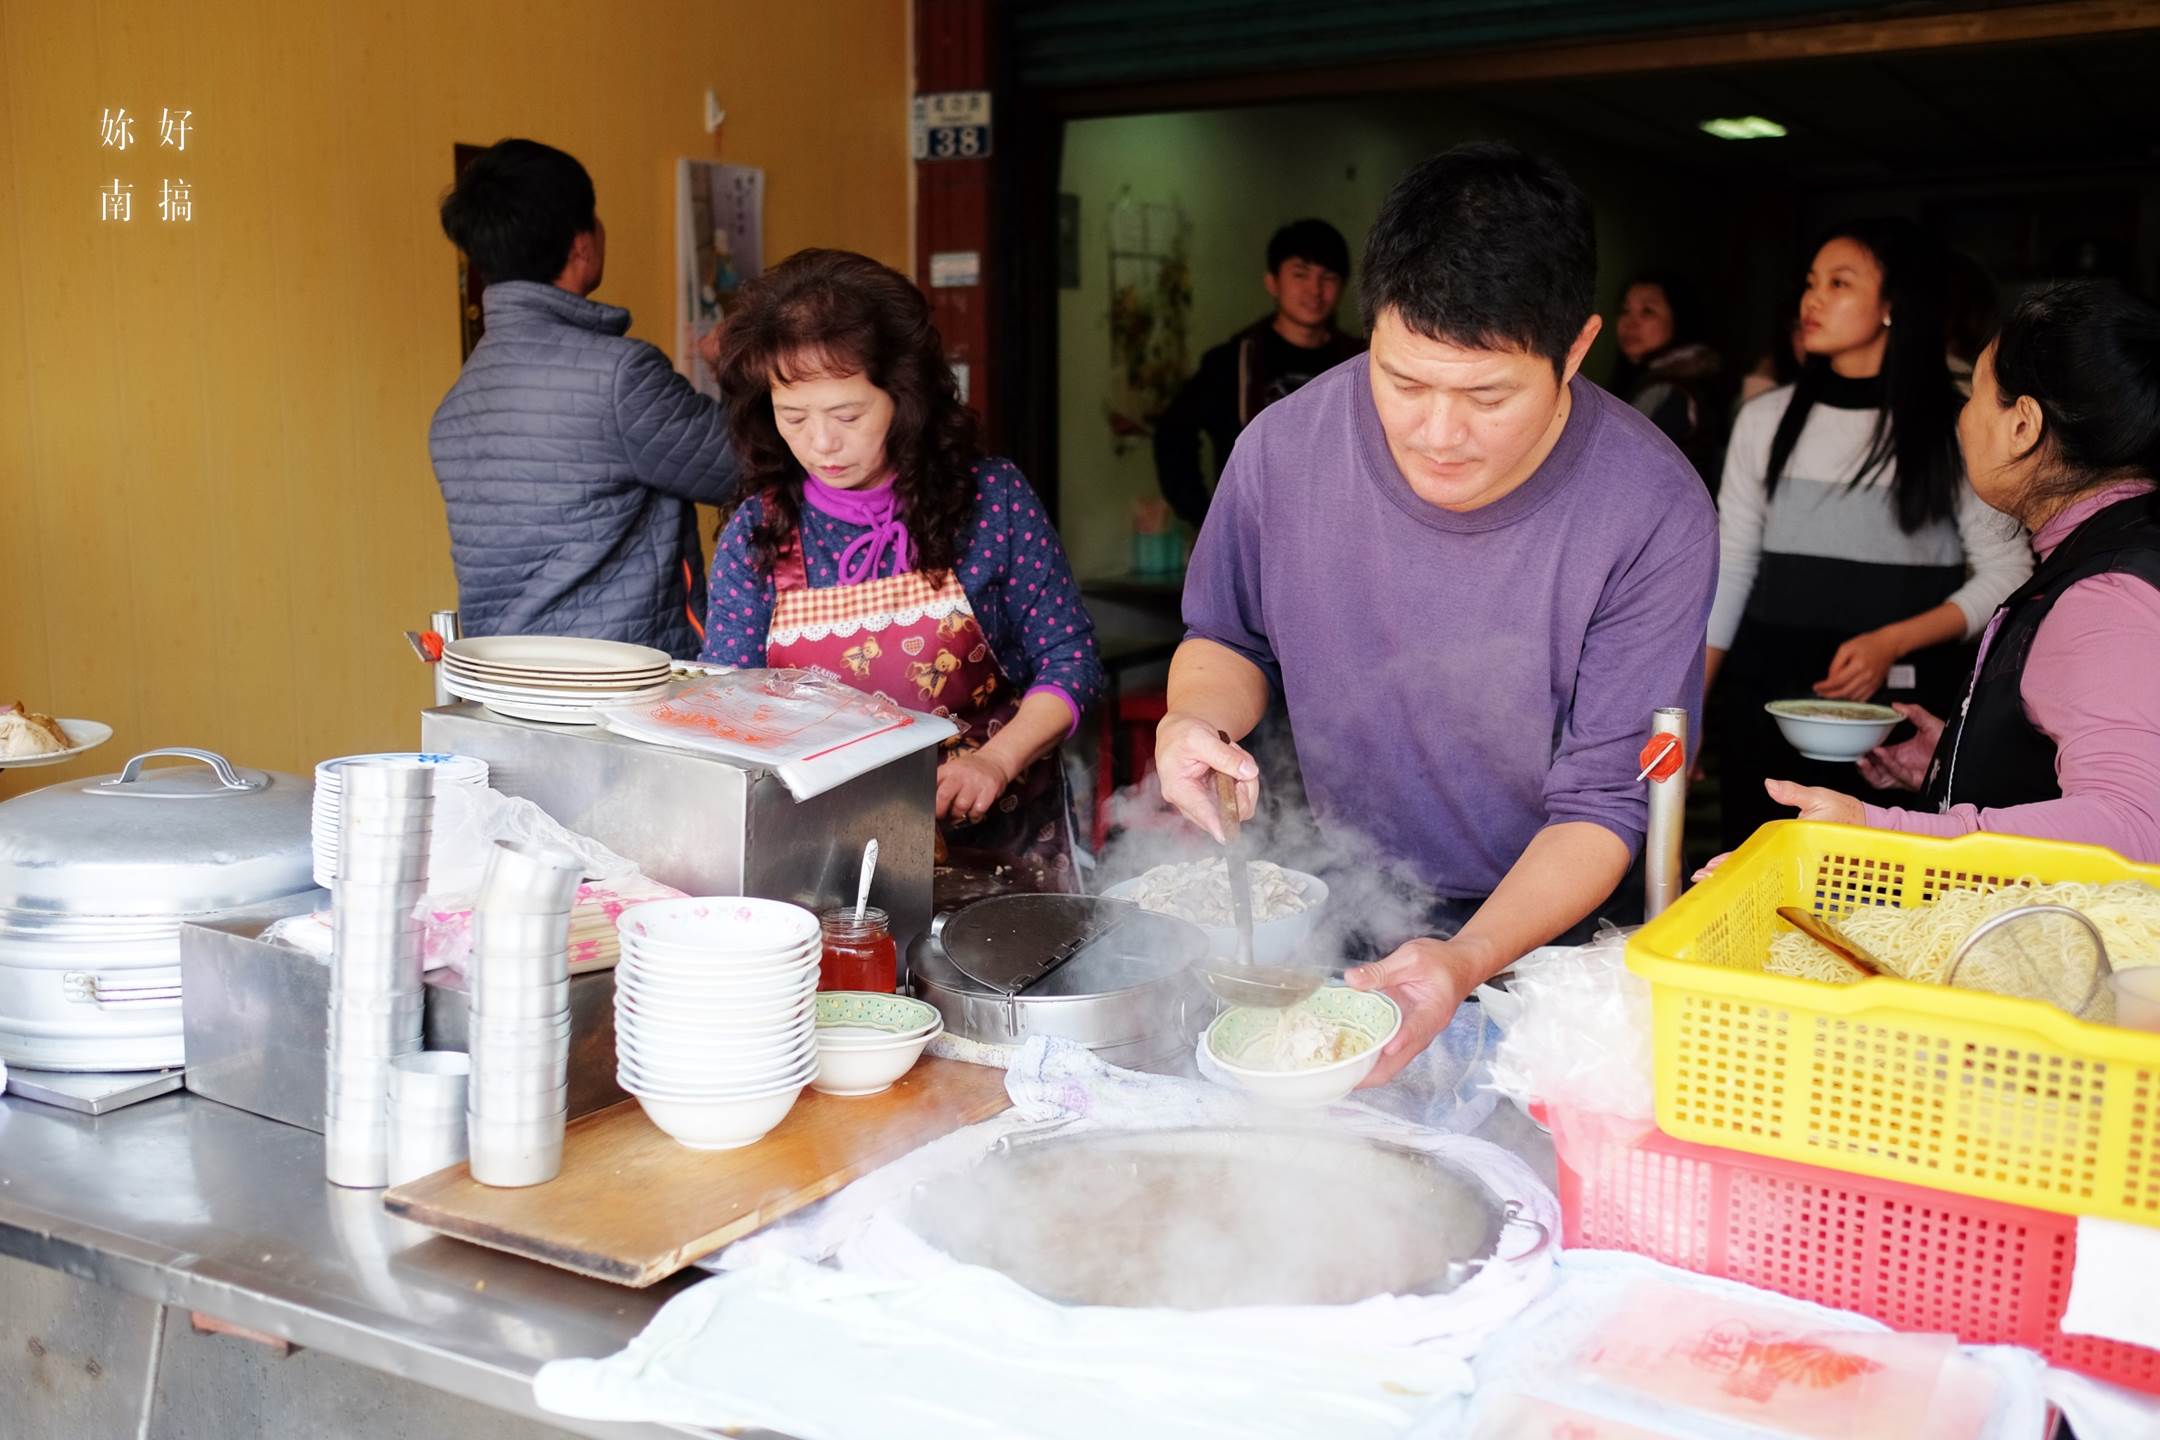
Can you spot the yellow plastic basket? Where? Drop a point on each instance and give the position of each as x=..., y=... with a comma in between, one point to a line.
x=2005, y=1099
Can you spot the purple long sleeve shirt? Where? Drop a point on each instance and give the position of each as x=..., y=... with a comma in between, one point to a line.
x=1456, y=682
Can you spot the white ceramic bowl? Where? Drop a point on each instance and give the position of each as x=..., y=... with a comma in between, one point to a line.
x=1812, y=727
x=679, y=1085
x=1275, y=942
x=1373, y=1015
x=670, y=1089
x=721, y=1124
x=715, y=952
x=726, y=922
x=867, y=1069
x=715, y=1004
x=707, y=1053
x=722, y=977
x=724, y=1028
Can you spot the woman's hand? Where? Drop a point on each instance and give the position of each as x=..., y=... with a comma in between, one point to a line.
x=1188, y=756
x=1859, y=668
x=968, y=785
x=1815, y=803
x=1904, y=766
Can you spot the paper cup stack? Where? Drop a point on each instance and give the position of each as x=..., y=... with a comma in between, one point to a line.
x=519, y=1033
x=375, y=997
x=716, y=1015
x=427, y=1112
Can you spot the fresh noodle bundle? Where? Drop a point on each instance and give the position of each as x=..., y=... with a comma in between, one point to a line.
x=2043, y=958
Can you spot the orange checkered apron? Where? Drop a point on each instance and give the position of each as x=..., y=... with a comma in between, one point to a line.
x=917, y=643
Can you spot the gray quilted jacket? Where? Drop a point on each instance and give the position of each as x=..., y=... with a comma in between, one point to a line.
x=569, y=456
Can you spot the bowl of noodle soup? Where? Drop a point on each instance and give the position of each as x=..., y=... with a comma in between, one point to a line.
x=1312, y=1053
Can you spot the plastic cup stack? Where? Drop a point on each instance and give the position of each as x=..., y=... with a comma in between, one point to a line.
x=427, y=1112
x=519, y=1032
x=375, y=996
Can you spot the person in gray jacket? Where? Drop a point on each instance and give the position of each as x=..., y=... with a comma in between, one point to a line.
x=570, y=456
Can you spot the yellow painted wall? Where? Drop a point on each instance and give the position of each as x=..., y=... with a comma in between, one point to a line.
x=216, y=509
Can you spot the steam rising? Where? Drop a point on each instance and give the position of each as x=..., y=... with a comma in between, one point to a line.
x=1203, y=1219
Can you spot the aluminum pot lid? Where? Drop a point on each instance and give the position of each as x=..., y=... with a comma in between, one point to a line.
x=1001, y=942
x=175, y=840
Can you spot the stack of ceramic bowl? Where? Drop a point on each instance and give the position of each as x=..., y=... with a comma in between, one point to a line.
x=375, y=997
x=330, y=795
x=427, y=1112
x=716, y=1015
x=519, y=1031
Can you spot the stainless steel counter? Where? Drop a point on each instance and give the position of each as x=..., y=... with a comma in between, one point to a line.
x=192, y=1204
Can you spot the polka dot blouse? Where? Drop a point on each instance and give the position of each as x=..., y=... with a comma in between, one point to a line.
x=1013, y=568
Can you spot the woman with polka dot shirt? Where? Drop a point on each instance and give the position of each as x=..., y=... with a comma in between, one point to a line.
x=877, y=542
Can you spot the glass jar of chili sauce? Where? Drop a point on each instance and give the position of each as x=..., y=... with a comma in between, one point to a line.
x=859, y=951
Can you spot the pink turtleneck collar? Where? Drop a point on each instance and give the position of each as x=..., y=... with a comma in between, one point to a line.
x=875, y=507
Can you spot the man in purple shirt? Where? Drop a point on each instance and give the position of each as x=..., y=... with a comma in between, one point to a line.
x=1468, y=573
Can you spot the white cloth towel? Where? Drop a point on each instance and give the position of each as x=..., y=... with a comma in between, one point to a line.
x=2111, y=1288
x=934, y=1348
x=822, y=1354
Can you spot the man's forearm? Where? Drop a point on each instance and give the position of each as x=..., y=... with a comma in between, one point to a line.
x=1564, y=875
x=1217, y=685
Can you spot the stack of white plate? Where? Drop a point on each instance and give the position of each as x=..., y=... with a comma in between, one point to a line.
x=330, y=795
x=716, y=1015
x=560, y=680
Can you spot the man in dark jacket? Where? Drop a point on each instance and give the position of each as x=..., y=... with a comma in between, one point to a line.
x=570, y=456
x=1307, y=263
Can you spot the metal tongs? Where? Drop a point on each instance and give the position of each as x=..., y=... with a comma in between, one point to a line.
x=1271, y=987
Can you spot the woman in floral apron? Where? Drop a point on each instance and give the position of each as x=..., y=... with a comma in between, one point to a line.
x=877, y=542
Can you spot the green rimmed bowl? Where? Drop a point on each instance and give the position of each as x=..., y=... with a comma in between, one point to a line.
x=1368, y=1014
x=867, y=1040
x=870, y=1017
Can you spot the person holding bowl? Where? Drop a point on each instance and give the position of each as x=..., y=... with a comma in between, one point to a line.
x=2059, y=734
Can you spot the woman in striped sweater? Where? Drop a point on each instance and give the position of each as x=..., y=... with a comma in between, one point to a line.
x=1856, y=561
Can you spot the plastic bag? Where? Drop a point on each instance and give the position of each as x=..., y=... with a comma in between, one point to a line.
x=1575, y=1030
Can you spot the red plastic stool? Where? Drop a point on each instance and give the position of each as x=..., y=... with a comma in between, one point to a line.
x=1127, y=748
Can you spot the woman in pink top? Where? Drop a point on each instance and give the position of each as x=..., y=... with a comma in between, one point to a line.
x=2059, y=736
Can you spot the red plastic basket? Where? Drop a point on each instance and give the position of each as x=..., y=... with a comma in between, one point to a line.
x=1914, y=1258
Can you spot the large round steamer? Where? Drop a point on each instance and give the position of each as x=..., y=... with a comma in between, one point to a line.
x=96, y=877
x=1136, y=1003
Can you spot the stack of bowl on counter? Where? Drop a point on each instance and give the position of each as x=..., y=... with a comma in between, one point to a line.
x=519, y=1027
x=375, y=995
x=719, y=1024
x=716, y=1015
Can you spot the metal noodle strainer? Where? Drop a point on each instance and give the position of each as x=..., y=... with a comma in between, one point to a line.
x=2044, y=952
x=1243, y=982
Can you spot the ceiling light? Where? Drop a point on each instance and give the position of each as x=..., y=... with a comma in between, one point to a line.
x=1744, y=127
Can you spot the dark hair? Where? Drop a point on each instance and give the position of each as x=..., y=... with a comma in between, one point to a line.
x=517, y=210
x=1679, y=298
x=1916, y=429
x=1487, y=247
x=836, y=312
x=2088, y=353
x=1314, y=241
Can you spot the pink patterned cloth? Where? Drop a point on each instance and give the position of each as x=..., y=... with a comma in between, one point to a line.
x=2091, y=685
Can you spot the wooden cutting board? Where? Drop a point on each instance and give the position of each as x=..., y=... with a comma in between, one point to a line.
x=634, y=1207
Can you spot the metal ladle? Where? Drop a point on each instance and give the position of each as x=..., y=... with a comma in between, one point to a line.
x=1261, y=987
